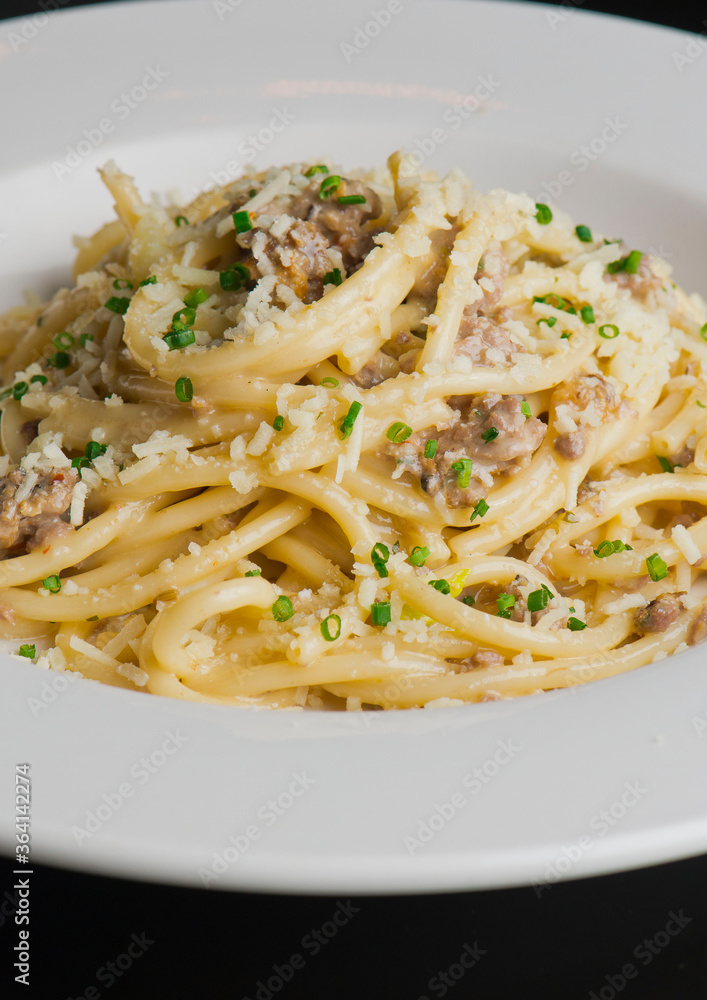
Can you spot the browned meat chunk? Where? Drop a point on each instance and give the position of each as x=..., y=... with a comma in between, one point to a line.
x=341, y=225
x=37, y=515
x=299, y=258
x=579, y=394
x=481, y=658
x=640, y=284
x=492, y=431
x=659, y=614
x=441, y=241
x=570, y=446
x=484, y=340
x=380, y=367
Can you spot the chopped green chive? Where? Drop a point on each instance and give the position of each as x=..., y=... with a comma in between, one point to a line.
x=469, y=601
x=118, y=304
x=28, y=650
x=542, y=213
x=657, y=567
x=183, y=389
x=703, y=331
x=93, y=618
x=329, y=185
x=490, y=434
x=152, y=280
x=463, y=470
x=318, y=168
x=525, y=409
x=332, y=277
x=351, y=199
x=183, y=319
x=584, y=233
x=418, y=555
x=80, y=463
x=550, y=320
x=632, y=261
x=697, y=402
x=242, y=222
x=538, y=599
x=183, y=338
x=629, y=263
x=329, y=382
x=480, y=508
x=346, y=425
x=278, y=423
x=282, y=609
x=19, y=389
x=587, y=314
x=380, y=554
x=441, y=585
x=505, y=602
x=575, y=625
x=234, y=278
x=195, y=298
x=252, y=193
x=52, y=584
x=42, y=379
x=326, y=629
x=93, y=449
x=665, y=464
x=122, y=283
x=398, y=432
x=380, y=613
x=84, y=338
x=565, y=336
x=555, y=301
x=253, y=572
x=59, y=360
x=63, y=340
x=431, y=448
x=608, y=548
x=181, y=220
x=613, y=331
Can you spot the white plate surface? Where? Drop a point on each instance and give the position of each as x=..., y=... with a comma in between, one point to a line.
x=601, y=115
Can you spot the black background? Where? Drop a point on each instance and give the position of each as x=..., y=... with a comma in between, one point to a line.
x=572, y=942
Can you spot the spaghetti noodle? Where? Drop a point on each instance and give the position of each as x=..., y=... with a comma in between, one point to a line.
x=338, y=442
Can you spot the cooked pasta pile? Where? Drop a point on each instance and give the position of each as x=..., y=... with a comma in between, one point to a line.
x=331, y=441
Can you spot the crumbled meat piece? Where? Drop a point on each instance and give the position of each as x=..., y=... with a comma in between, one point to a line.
x=570, y=446
x=342, y=226
x=7, y=615
x=29, y=430
x=516, y=440
x=380, y=367
x=485, y=341
x=481, y=658
x=683, y=458
x=698, y=629
x=659, y=614
x=581, y=393
x=691, y=514
x=299, y=258
x=640, y=284
x=492, y=270
x=48, y=532
x=49, y=498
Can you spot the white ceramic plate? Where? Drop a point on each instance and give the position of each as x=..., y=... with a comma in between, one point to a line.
x=603, y=777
